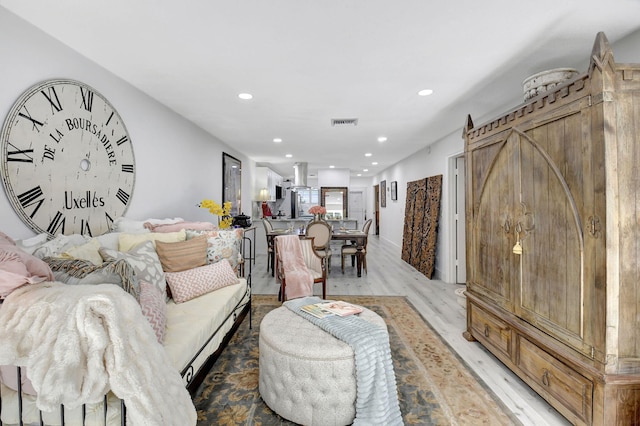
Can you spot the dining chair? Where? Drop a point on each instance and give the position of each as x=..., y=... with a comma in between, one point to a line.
x=286, y=260
x=352, y=249
x=321, y=233
x=268, y=228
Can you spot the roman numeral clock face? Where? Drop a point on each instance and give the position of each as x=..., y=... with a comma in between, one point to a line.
x=67, y=160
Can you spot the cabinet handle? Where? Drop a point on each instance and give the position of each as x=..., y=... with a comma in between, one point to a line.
x=545, y=378
x=486, y=330
x=517, y=248
x=594, y=226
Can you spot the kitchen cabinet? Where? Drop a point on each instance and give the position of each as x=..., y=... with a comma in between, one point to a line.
x=267, y=178
x=553, y=239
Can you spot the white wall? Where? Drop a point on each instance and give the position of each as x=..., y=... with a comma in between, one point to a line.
x=430, y=161
x=177, y=163
x=333, y=177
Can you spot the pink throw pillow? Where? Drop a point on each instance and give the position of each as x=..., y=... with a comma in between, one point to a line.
x=18, y=267
x=9, y=376
x=189, y=284
x=154, y=308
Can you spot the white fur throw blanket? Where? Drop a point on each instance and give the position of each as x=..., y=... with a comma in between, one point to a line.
x=376, y=392
x=78, y=342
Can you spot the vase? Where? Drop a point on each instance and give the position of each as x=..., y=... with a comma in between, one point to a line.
x=317, y=217
x=225, y=222
x=546, y=80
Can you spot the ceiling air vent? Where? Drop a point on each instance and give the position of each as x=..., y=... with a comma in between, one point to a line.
x=344, y=122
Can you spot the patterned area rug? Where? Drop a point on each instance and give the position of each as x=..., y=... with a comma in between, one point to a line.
x=434, y=386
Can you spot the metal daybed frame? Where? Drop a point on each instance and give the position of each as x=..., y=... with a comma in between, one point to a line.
x=194, y=379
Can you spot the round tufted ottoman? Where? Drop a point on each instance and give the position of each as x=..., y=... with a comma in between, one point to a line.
x=306, y=375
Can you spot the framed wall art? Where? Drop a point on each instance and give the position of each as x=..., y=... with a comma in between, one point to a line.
x=383, y=193
x=232, y=182
x=394, y=191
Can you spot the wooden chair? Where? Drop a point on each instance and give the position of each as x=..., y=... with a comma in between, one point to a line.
x=268, y=227
x=351, y=249
x=320, y=231
x=314, y=263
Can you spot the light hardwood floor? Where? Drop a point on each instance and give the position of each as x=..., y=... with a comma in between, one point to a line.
x=388, y=275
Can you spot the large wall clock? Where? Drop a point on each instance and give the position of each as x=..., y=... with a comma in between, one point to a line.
x=67, y=160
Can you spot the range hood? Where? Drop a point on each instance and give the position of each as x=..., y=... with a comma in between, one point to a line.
x=299, y=176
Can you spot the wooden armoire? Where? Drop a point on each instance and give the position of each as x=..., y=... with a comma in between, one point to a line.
x=553, y=241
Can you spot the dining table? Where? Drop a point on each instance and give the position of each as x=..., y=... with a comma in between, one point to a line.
x=356, y=236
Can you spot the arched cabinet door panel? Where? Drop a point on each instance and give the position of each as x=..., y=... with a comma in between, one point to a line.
x=493, y=266
x=552, y=278
x=528, y=246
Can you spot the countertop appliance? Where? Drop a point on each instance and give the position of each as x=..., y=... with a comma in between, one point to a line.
x=242, y=220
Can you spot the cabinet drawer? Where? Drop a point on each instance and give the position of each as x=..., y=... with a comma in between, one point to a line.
x=491, y=330
x=564, y=384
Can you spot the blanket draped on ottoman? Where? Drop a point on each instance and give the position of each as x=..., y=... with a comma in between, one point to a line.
x=377, y=396
x=78, y=342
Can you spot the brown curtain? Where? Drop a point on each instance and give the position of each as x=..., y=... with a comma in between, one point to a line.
x=422, y=211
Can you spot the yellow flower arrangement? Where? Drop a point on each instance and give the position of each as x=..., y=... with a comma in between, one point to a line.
x=224, y=220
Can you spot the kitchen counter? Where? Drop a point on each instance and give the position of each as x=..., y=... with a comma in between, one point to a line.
x=284, y=222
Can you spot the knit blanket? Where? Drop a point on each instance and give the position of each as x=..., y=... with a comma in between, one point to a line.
x=78, y=342
x=376, y=392
x=299, y=280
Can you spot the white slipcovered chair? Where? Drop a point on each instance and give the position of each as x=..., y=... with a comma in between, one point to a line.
x=320, y=231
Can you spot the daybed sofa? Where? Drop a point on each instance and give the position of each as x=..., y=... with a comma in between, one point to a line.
x=186, y=278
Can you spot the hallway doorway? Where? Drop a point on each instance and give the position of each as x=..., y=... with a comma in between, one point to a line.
x=458, y=237
x=376, y=207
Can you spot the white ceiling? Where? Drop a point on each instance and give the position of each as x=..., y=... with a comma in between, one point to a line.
x=308, y=61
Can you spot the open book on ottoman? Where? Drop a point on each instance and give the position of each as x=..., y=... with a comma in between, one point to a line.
x=325, y=309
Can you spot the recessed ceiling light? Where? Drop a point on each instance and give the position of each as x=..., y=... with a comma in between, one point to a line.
x=245, y=96
x=277, y=140
x=289, y=155
x=425, y=92
x=332, y=167
x=368, y=154
x=382, y=139
x=365, y=170
x=375, y=163
x=359, y=174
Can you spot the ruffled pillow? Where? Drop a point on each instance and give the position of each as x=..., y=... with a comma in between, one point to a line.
x=189, y=284
x=9, y=377
x=18, y=268
x=13, y=273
